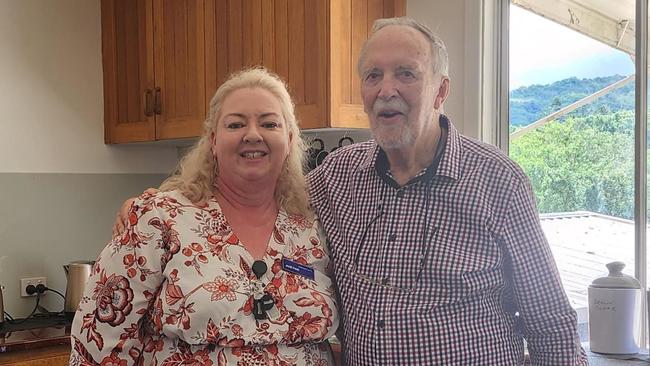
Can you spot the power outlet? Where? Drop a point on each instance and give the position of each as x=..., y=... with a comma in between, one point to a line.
x=24, y=282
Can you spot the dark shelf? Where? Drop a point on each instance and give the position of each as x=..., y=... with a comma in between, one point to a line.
x=36, y=322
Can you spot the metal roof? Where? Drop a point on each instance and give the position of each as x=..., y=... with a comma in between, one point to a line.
x=582, y=243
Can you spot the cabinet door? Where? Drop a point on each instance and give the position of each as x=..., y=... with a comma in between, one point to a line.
x=127, y=51
x=179, y=67
x=288, y=37
x=351, y=23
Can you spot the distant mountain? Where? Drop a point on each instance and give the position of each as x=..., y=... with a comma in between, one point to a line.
x=530, y=103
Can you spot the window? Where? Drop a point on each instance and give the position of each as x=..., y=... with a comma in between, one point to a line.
x=572, y=122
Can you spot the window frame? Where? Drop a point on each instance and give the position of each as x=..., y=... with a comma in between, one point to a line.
x=495, y=117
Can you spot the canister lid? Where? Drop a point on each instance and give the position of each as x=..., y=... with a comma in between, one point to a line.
x=616, y=279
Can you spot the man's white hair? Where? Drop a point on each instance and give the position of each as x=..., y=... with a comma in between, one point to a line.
x=440, y=58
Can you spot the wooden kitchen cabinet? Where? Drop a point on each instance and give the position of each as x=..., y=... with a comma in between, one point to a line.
x=349, y=26
x=154, y=69
x=289, y=37
x=164, y=59
x=312, y=44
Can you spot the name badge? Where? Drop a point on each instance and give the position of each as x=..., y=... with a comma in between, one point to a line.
x=297, y=268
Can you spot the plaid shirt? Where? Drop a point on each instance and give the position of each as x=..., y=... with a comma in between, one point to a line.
x=449, y=269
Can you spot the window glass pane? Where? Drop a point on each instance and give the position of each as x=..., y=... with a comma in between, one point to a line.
x=572, y=131
x=645, y=343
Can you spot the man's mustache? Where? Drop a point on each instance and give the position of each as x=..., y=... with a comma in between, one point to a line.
x=393, y=104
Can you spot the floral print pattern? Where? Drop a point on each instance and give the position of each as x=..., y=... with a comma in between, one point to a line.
x=177, y=289
x=113, y=298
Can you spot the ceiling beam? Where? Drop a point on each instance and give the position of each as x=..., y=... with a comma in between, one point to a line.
x=617, y=33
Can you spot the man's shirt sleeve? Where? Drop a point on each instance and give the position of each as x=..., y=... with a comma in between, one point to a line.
x=549, y=322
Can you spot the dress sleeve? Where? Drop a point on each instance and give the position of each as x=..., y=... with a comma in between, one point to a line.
x=549, y=322
x=110, y=324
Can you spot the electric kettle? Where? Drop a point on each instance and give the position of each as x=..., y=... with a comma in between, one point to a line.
x=77, y=274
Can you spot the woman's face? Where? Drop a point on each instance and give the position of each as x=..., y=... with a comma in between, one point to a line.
x=252, y=140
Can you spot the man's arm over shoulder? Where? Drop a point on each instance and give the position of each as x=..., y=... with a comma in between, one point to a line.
x=122, y=217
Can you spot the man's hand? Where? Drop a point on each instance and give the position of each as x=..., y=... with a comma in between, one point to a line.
x=123, y=214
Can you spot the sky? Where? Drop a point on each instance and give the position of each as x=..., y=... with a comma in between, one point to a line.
x=542, y=52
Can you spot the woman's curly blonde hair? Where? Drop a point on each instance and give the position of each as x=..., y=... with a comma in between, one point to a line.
x=197, y=170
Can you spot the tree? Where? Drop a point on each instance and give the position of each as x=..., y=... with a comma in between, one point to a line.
x=581, y=163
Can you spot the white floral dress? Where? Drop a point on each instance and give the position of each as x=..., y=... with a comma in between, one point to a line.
x=177, y=288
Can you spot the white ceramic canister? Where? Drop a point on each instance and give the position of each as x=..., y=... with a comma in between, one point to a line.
x=614, y=312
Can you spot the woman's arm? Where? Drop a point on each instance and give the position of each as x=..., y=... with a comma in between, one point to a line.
x=111, y=323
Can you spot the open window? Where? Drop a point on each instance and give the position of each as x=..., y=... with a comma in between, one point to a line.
x=573, y=93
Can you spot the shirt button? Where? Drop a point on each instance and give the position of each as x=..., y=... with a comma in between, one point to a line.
x=381, y=324
x=392, y=237
x=400, y=194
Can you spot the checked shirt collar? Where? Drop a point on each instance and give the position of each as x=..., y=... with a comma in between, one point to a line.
x=446, y=163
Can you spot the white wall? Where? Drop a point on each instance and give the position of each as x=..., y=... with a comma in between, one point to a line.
x=51, y=103
x=60, y=186
x=458, y=23
x=51, y=98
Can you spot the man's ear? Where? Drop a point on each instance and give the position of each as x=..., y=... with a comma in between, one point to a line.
x=443, y=93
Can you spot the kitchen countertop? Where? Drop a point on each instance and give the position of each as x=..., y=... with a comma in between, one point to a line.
x=37, y=332
x=597, y=359
x=50, y=336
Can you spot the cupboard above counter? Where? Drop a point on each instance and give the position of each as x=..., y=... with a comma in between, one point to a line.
x=164, y=59
x=154, y=69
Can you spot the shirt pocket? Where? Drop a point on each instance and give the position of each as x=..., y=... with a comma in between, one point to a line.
x=458, y=267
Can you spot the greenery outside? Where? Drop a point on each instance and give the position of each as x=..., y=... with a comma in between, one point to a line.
x=583, y=161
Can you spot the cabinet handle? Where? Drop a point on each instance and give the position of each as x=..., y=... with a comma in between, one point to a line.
x=148, y=103
x=158, y=101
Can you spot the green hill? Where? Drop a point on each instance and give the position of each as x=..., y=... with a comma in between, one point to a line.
x=530, y=103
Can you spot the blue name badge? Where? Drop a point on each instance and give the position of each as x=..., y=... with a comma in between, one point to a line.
x=297, y=268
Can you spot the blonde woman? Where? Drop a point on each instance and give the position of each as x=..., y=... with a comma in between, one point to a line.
x=226, y=264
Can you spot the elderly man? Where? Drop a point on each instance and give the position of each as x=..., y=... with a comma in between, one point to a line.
x=438, y=251
x=440, y=258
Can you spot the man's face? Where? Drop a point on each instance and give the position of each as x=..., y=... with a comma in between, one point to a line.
x=398, y=86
